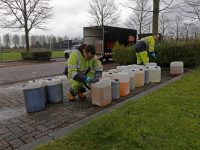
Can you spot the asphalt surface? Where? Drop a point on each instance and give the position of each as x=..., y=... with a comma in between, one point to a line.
x=21, y=130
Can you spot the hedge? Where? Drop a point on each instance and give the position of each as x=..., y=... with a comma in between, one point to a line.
x=166, y=52
x=36, y=55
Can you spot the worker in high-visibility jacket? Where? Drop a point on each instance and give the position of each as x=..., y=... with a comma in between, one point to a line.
x=78, y=70
x=142, y=46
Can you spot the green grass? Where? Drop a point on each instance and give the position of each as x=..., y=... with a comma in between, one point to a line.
x=167, y=119
x=17, y=56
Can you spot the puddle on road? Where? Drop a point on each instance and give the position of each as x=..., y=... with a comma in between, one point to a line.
x=7, y=114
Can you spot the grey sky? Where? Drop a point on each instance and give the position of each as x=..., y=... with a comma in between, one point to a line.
x=70, y=16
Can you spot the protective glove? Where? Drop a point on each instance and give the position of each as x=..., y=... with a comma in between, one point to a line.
x=92, y=80
x=98, y=76
x=153, y=54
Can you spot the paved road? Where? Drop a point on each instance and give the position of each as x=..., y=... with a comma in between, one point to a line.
x=17, y=127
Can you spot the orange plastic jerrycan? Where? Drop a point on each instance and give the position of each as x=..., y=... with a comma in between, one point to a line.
x=124, y=79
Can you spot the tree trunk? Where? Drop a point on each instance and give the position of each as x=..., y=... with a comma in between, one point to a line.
x=27, y=39
x=26, y=27
x=155, y=16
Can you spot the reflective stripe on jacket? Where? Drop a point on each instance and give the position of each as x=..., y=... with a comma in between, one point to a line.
x=150, y=42
x=77, y=64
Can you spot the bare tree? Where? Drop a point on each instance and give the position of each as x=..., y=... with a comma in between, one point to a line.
x=187, y=28
x=59, y=39
x=164, y=24
x=23, y=41
x=53, y=40
x=196, y=32
x=166, y=5
x=33, y=40
x=191, y=9
x=7, y=40
x=25, y=14
x=103, y=12
x=65, y=37
x=15, y=40
x=178, y=21
x=140, y=20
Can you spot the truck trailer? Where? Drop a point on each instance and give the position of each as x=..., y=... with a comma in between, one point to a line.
x=104, y=38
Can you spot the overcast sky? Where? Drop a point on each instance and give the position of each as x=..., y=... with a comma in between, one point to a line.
x=70, y=16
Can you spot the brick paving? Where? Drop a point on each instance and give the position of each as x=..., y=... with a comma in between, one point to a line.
x=17, y=127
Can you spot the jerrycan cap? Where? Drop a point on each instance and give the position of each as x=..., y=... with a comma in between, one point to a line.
x=49, y=79
x=34, y=80
x=25, y=85
x=110, y=73
x=156, y=67
x=140, y=69
x=147, y=67
x=116, y=79
x=132, y=70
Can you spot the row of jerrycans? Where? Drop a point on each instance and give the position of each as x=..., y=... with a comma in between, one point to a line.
x=118, y=82
x=38, y=92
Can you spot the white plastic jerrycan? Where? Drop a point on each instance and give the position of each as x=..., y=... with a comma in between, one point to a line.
x=139, y=77
x=101, y=92
x=154, y=74
x=176, y=67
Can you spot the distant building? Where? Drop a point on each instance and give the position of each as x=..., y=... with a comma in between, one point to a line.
x=66, y=44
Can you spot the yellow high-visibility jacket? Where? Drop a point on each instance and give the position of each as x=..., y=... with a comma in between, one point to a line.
x=78, y=66
x=150, y=42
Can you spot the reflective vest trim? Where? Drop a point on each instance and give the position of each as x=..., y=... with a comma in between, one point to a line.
x=151, y=50
x=98, y=68
x=72, y=66
x=73, y=75
x=79, y=59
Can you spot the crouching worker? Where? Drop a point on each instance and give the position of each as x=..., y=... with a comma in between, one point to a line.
x=78, y=70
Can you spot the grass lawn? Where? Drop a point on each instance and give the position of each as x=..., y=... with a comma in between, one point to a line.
x=17, y=56
x=167, y=119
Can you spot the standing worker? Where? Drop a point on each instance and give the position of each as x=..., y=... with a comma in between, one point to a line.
x=78, y=70
x=141, y=48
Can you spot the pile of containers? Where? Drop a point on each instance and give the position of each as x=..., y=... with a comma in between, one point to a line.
x=118, y=82
x=38, y=92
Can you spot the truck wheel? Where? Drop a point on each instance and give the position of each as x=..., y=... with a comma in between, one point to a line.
x=66, y=55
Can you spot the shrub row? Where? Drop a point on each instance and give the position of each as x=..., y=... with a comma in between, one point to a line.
x=166, y=53
x=36, y=55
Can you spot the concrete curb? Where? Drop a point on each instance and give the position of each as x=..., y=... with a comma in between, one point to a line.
x=66, y=130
